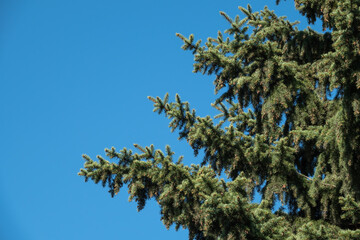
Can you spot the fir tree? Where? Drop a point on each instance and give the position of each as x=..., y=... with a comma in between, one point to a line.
x=288, y=127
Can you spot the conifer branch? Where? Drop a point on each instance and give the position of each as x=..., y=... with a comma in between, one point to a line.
x=289, y=109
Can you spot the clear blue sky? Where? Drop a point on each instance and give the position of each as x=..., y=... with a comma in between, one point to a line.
x=74, y=79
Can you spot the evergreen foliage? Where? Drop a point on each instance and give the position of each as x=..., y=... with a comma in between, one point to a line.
x=288, y=127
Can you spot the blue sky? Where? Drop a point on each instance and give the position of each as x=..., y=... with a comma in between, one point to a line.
x=74, y=79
